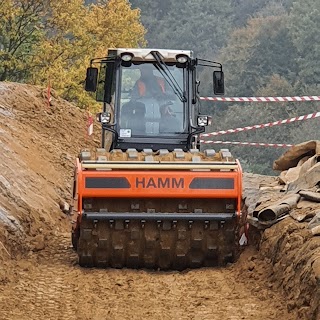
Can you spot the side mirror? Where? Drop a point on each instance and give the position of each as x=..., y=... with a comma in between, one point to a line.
x=91, y=79
x=103, y=117
x=218, y=82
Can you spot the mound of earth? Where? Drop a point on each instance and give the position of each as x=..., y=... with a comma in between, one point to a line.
x=39, y=144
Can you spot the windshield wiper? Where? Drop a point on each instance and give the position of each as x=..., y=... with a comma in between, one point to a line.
x=166, y=73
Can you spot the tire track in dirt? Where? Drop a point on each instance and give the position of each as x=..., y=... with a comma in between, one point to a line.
x=52, y=286
x=41, y=292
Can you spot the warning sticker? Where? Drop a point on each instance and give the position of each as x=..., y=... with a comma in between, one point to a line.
x=125, y=133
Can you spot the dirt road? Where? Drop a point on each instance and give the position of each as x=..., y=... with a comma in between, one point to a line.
x=50, y=285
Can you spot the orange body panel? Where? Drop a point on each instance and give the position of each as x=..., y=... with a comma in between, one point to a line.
x=144, y=184
x=159, y=184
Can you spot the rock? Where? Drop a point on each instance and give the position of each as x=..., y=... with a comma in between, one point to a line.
x=64, y=206
x=251, y=266
x=315, y=220
x=38, y=243
x=316, y=269
x=315, y=231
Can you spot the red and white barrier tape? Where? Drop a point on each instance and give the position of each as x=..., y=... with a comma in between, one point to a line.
x=256, y=144
x=262, y=99
x=90, y=125
x=265, y=125
x=49, y=93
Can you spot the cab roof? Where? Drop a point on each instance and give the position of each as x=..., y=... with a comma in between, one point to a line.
x=144, y=54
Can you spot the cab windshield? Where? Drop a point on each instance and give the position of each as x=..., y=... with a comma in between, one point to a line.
x=148, y=104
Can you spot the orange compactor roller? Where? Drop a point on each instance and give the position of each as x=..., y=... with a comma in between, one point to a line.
x=152, y=199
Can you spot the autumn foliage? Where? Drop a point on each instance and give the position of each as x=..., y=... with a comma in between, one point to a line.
x=42, y=40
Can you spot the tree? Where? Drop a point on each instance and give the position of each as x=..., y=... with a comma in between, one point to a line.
x=58, y=39
x=20, y=31
x=256, y=52
x=304, y=30
x=244, y=10
x=201, y=26
x=75, y=34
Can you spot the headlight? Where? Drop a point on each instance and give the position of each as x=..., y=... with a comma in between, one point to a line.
x=126, y=56
x=204, y=121
x=181, y=58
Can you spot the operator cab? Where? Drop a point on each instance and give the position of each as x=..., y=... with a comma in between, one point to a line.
x=148, y=105
x=150, y=98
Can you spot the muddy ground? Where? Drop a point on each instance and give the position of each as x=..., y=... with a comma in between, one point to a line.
x=39, y=274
